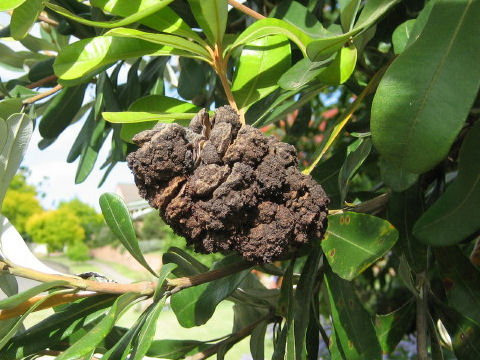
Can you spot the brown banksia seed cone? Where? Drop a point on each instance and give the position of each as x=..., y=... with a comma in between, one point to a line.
x=226, y=187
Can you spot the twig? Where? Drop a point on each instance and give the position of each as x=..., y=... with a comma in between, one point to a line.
x=422, y=342
x=43, y=95
x=246, y=10
x=146, y=288
x=41, y=82
x=234, y=338
x=48, y=20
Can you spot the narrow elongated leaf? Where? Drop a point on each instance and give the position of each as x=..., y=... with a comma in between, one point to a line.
x=20, y=298
x=351, y=321
x=391, y=328
x=6, y=5
x=162, y=281
x=187, y=265
x=303, y=299
x=85, y=56
x=144, y=339
x=163, y=20
x=24, y=17
x=302, y=73
x=134, y=17
x=257, y=341
x=357, y=153
x=175, y=349
x=454, y=215
x=83, y=137
x=8, y=283
x=18, y=323
x=41, y=70
x=262, y=62
x=212, y=16
x=348, y=12
x=373, y=11
x=354, y=241
x=195, y=305
x=62, y=326
x=90, y=150
x=175, y=42
x=131, y=117
x=161, y=107
x=100, y=330
x=14, y=139
x=61, y=111
x=461, y=281
x=118, y=219
x=410, y=99
x=267, y=27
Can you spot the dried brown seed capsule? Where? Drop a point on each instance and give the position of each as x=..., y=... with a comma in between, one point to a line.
x=227, y=187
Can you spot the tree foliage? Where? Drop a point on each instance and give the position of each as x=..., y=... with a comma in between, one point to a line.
x=380, y=99
x=56, y=228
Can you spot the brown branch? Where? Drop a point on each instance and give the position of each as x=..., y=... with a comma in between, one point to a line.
x=146, y=288
x=43, y=95
x=234, y=338
x=47, y=20
x=42, y=82
x=246, y=10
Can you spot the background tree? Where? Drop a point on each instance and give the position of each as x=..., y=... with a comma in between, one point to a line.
x=379, y=97
x=56, y=228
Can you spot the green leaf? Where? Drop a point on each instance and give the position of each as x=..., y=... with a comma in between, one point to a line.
x=8, y=282
x=464, y=332
x=261, y=64
x=83, y=137
x=10, y=4
x=257, y=341
x=341, y=68
x=187, y=265
x=144, y=338
x=411, y=96
x=158, y=108
x=401, y=36
x=354, y=241
x=65, y=325
x=267, y=27
x=396, y=178
x=461, y=281
x=392, y=327
x=195, y=305
x=131, y=117
x=357, y=153
x=35, y=44
x=61, y=111
x=302, y=73
x=164, y=20
x=303, y=299
x=351, y=321
x=100, y=330
x=90, y=149
x=454, y=216
x=20, y=298
x=299, y=16
x=403, y=210
x=175, y=349
x=348, y=12
x=373, y=11
x=173, y=41
x=8, y=107
x=14, y=138
x=18, y=323
x=118, y=219
x=134, y=17
x=80, y=59
x=24, y=16
x=212, y=16
x=41, y=70
x=162, y=281
x=193, y=78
